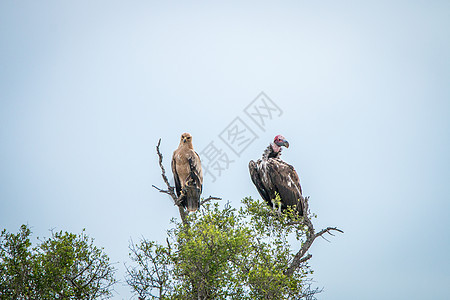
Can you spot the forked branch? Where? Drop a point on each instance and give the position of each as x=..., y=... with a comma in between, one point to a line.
x=209, y=199
x=301, y=256
x=171, y=190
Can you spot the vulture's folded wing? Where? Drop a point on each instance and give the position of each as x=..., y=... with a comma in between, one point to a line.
x=256, y=175
x=285, y=180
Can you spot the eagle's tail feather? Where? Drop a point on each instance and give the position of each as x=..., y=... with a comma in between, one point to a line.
x=192, y=198
x=192, y=189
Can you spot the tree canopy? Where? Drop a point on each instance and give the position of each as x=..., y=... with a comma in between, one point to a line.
x=64, y=266
x=225, y=253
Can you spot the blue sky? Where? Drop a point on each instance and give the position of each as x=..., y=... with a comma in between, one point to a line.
x=87, y=89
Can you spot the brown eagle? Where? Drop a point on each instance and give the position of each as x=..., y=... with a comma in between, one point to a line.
x=273, y=176
x=187, y=172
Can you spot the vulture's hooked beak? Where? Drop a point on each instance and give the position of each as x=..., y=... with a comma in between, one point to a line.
x=286, y=143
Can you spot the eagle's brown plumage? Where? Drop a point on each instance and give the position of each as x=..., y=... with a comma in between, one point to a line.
x=187, y=172
x=271, y=175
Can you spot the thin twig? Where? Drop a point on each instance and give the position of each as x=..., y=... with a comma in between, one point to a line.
x=161, y=190
x=328, y=230
x=209, y=199
x=307, y=257
x=300, y=257
x=170, y=189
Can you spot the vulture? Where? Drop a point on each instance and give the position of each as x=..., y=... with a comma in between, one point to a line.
x=187, y=173
x=271, y=176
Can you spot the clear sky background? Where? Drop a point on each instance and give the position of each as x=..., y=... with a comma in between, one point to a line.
x=87, y=89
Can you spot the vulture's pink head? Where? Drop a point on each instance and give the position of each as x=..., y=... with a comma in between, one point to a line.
x=278, y=142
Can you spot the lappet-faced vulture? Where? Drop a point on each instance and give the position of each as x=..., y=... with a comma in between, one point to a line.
x=271, y=176
x=187, y=172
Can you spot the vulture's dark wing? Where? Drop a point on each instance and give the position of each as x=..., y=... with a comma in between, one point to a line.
x=255, y=174
x=175, y=176
x=285, y=181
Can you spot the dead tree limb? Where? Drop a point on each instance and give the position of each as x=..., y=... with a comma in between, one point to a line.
x=209, y=199
x=171, y=190
x=301, y=256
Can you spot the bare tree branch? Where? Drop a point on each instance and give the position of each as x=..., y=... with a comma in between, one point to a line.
x=307, y=257
x=300, y=257
x=161, y=190
x=171, y=190
x=209, y=199
x=328, y=230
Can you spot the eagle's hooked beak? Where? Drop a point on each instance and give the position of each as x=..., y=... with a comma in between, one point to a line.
x=184, y=140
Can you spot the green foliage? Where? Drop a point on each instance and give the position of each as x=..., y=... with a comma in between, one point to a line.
x=16, y=266
x=65, y=266
x=152, y=277
x=222, y=254
x=210, y=252
x=271, y=252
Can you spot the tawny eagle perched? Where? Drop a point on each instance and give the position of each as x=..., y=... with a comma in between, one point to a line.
x=271, y=176
x=187, y=172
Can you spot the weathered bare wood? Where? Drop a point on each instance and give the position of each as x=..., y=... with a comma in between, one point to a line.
x=209, y=199
x=171, y=190
x=301, y=256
